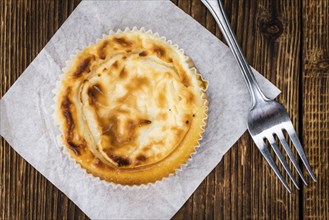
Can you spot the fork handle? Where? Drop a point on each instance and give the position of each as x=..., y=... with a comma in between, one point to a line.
x=217, y=10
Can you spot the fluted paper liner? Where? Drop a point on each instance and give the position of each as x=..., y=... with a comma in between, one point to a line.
x=191, y=67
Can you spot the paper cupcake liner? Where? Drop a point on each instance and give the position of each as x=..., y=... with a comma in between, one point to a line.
x=96, y=179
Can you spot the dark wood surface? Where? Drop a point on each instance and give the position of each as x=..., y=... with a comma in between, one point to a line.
x=287, y=41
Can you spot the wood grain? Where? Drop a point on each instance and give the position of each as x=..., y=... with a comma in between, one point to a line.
x=287, y=41
x=315, y=104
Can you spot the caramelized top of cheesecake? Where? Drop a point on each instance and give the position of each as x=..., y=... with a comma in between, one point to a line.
x=128, y=101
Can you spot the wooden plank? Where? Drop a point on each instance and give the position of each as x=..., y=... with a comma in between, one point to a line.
x=276, y=36
x=315, y=91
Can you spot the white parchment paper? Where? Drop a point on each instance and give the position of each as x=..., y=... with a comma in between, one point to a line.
x=25, y=110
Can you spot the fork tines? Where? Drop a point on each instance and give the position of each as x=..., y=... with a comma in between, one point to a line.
x=269, y=135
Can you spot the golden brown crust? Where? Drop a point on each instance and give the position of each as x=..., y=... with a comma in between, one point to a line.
x=131, y=108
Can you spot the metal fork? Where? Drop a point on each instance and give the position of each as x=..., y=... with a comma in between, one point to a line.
x=267, y=118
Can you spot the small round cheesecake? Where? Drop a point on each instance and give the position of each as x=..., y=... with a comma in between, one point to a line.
x=131, y=108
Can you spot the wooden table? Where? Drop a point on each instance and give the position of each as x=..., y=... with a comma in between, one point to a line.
x=287, y=41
